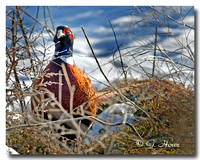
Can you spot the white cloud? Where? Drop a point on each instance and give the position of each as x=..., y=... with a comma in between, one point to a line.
x=125, y=19
x=87, y=14
x=103, y=30
x=189, y=20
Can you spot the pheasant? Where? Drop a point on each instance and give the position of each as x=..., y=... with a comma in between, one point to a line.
x=62, y=87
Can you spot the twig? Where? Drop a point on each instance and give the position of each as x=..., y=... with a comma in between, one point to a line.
x=14, y=62
x=76, y=119
x=95, y=56
x=24, y=35
x=51, y=18
x=167, y=15
x=168, y=30
x=154, y=59
x=47, y=28
x=120, y=55
x=70, y=86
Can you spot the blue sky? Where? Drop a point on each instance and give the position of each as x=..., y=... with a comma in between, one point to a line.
x=95, y=21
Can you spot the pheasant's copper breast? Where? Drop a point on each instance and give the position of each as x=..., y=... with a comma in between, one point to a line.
x=84, y=91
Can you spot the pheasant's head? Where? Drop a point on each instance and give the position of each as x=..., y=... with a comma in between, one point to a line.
x=64, y=38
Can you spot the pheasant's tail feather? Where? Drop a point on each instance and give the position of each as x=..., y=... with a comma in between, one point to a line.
x=106, y=95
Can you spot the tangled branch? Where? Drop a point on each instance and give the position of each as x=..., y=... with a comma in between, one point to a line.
x=77, y=119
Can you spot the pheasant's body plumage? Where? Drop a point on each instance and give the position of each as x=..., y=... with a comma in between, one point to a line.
x=84, y=90
x=53, y=91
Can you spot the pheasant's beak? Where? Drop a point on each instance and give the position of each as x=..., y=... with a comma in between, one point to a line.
x=60, y=34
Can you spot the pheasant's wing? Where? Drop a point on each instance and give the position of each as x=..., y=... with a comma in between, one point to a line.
x=84, y=90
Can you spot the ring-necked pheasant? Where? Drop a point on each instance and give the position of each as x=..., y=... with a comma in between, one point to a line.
x=53, y=91
x=53, y=94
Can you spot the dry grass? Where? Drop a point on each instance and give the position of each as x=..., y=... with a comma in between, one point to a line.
x=171, y=109
x=171, y=119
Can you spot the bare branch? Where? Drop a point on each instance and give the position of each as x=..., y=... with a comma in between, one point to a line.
x=120, y=55
x=77, y=119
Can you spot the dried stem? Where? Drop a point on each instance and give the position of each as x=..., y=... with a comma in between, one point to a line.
x=120, y=55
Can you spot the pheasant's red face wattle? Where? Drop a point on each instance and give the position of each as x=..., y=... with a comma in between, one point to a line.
x=68, y=32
